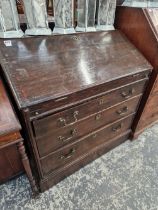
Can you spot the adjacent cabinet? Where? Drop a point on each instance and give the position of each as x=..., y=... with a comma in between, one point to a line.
x=13, y=157
x=77, y=97
x=140, y=25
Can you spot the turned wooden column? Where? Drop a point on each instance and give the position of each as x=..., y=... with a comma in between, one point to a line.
x=13, y=157
x=26, y=165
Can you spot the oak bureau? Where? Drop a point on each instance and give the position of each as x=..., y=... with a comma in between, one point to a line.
x=77, y=97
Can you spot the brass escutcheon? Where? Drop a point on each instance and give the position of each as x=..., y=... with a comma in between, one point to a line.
x=98, y=116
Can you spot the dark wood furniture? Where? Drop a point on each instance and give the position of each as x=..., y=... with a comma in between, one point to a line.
x=141, y=27
x=77, y=96
x=13, y=158
x=120, y=2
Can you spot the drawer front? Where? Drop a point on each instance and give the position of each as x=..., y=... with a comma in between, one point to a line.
x=68, y=100
x=63, y=172
x=51, y=139
x=65, y=118
x=83, y=146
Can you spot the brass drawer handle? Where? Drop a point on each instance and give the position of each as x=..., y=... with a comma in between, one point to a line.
x=127, y=94
x=101, y=101
x=117, y=128
x=72, y=132
x=122, y=111
x=69, y=155
x=136, y=75
x=75, y=114
x=63, y=122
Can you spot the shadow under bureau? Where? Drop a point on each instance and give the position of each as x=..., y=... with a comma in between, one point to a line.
x=77, y=96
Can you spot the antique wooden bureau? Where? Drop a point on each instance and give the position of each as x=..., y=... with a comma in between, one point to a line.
x=13, y=157
x=77, y=97
x=140, y=25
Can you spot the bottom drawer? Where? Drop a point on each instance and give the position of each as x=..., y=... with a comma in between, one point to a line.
x=63, y=172
x=73, y=151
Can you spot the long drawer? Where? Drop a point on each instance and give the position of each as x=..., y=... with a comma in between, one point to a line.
x=91, y=92
x=63, y=172
x=52, y=139
x=73, y=151
x=67, y=117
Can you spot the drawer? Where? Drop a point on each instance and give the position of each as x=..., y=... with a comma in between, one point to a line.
x=89, y=93
x=51, y=139
x=67, y=117
x=63, y=172
x=72, y=152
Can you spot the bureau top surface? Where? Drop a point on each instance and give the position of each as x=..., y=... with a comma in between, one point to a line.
x=8, y=120
x=44, y=68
